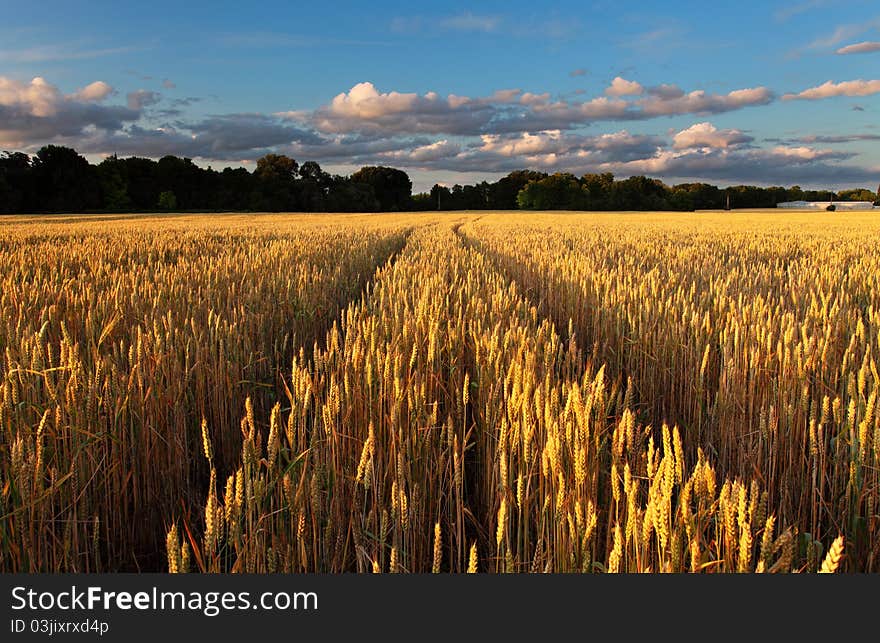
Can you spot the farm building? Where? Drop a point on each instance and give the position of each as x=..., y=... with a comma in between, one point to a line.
x=823, y=205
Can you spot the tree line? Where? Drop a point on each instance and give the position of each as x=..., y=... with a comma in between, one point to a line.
x=58, y=179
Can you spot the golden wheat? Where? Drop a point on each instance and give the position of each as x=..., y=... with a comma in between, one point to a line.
x=417, y=393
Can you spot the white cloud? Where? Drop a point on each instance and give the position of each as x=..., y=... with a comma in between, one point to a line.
x=665, y=100
x=622, y=87
x=36, y=111
x=555, y=146
x=364, y=101
x=426, y=153
x=504, y=95
x=699, y=102
x=707, y=135
x=829, y=89
x=528, y=98
x=96, y=91
x=859, y=48
x=804, y=153
x=779, y=166
x=37, y=98
x=506, y=130
x=364, y=108
x=523, y=144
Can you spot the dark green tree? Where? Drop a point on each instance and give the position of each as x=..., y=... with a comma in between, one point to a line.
x=16, y=183
x=167, y=201
x=276, y=189
x=639, y=193
x=393, y=187
x=503, y=193
x=184, y=178
x=560, y=191
x=441, y=196
x=695, y=196
x=348, y=196
x=64, y=181
x=234, y=189
x=114, y=184
x=141, y=177
x=313, y=187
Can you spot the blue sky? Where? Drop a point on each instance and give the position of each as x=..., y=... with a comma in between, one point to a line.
x=753, y=92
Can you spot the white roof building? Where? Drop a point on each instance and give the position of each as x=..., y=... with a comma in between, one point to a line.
x=822, y=205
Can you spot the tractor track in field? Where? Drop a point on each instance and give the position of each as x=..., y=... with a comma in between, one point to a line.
x=149, y=556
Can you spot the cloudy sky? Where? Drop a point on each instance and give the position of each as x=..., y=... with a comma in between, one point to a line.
x=784, y=92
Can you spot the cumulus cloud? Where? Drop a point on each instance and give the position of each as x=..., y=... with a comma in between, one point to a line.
x=422, y=154
x=666, y=91
x=96, y=91
x=666, y=100
x=502, y=96
x=859, y=48
x=365, y=101
x=716, y=155
x=707, y=135
x=502, y=131
x=37, y=98
x=624, y=146
x=367, y=110
x=622, y=153
x=829, y=89
x=364, y=108
x=803, y=153
x=699, y=102
x=622, y=87
x=355, y=149
x=528, y=98
x=556, y=150
x=37, y=111
x=524, y=144
x=780, y=165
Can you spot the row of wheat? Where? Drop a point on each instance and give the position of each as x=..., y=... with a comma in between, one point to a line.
x=759, y=339
x=115, y=344
x=446, y=426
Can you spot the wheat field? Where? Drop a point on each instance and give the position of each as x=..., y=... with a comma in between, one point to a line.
x=440, y=392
